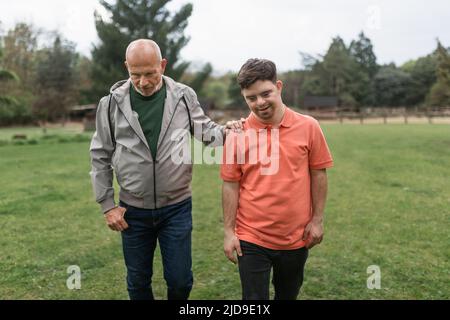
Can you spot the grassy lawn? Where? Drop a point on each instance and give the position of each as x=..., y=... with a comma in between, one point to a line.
x=388, y=205
x=36, y=132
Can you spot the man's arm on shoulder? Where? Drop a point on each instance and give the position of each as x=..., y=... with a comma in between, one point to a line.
x=101, y=151
x=205, y=130
x=230, y=200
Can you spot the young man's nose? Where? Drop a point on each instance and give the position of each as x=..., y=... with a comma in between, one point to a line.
x=260, y=101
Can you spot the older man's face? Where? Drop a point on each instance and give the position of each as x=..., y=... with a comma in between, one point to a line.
x=146, y=72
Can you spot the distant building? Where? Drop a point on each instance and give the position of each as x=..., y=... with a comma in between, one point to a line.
x=320, y=103
x=78, y=113
x=321, y=107
x=85, y=114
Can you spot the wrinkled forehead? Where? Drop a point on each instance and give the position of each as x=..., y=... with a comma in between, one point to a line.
x=144, y=69
x=142, y=57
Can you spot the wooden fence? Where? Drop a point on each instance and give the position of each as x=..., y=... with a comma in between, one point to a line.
x=386, y=114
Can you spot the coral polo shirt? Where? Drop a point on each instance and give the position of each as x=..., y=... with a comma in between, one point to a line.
x=275, y=185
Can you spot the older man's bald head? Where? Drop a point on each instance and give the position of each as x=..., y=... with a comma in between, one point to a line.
x=145, y=66
x=143, y=48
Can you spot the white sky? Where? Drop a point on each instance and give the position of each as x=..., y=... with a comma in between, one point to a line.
x=228, y=32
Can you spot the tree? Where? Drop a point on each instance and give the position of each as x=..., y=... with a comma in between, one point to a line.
x=215, y=91
x=84, y=79
x=423, y=76
x=335, y=74
x=5, y=76
x=362, y=51
x=201, y=77
x=391, y=86
x=344, y=72
x=362, y=87
x=234, y=93
x=20, y=45
x=55, y=80
x=19, y=53
x=292, y=82
x=131, y=20
x=440, y=92
x=7, y=102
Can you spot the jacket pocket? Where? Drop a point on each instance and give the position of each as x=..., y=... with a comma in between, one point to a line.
x=116, y=158
x=132, y=171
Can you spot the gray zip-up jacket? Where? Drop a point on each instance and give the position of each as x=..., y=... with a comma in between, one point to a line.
x=119, y=145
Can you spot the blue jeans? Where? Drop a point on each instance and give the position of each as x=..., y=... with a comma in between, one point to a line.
x=172, y=227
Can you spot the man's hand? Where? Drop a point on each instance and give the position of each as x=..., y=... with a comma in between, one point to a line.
x=230, y=244
x=313, y=233
x=114, y=219
x=235, y=126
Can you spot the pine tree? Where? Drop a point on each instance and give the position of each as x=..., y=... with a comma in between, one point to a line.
x=55, y=80
x=362, y=51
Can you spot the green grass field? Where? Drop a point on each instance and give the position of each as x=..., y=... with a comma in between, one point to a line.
x=388, y=205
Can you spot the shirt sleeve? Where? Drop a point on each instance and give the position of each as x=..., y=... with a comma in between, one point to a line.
x=230, y=170
x=319, y=153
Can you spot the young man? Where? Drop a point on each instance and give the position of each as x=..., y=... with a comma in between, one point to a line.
x=135, y=126
x=274, y=188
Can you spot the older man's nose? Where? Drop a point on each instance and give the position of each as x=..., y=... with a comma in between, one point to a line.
x=143, y=81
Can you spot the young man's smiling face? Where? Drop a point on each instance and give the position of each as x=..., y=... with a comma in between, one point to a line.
x=264, y=99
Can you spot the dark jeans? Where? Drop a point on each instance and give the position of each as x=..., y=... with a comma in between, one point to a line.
x=172, y=227
x=256, y=263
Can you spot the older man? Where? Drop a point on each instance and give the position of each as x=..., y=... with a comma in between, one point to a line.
x=135, y=126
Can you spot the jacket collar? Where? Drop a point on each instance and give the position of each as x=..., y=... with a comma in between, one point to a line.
x=121, y=94
x=121, y=89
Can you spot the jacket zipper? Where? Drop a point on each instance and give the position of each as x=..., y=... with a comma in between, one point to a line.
x=156, y=155
x=154, y=181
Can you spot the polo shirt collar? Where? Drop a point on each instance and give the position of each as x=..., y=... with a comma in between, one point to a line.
x=287, y=121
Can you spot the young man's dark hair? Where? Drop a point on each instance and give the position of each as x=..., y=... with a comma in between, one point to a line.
x=256, y=69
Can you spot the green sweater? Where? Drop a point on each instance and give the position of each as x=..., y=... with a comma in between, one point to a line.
x=150, y=110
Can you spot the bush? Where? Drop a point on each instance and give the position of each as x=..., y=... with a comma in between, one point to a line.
x=81, y=138
x=33, y=141
x=63, y=139
x=19, y=142
x=16, y=113
x=49, y=136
